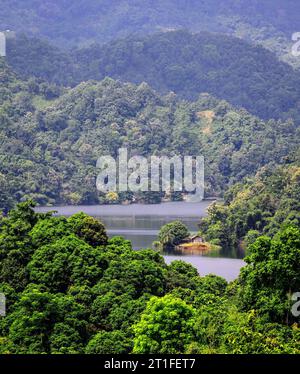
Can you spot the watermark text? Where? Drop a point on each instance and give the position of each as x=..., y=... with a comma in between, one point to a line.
x=178, y=174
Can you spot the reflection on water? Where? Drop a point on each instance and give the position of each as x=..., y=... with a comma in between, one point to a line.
x=140, y=224
x=224, y=267
x=142, y=231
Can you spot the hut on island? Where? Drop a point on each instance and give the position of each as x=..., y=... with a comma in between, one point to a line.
x=193, y=244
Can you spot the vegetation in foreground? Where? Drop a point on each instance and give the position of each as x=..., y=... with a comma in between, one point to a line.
x=70, y=289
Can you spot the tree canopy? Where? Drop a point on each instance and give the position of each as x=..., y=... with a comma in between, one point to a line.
x=66, y=23
x=188, y=64
x=50, y=144
x=259, y=205
x=68, y=294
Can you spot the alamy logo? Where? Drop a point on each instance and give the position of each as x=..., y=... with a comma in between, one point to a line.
x=296, y=46
x=2, y=305
x=179, y=174
x=2, y=44
x=296, y=306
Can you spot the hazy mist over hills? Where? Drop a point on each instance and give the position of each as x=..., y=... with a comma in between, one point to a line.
x=188, y=64
x=73, y=23
x=205, y=94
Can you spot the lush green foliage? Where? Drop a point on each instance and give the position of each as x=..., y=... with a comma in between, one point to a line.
x=166, y=326
x=273, y=275
x=71, y=292
x=71, y=289
x=187, y=64
x=66, y=296
x=49, y=145
x=260, y=205
x=172, y=234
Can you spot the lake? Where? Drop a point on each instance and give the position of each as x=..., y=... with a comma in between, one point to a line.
x=140, y=223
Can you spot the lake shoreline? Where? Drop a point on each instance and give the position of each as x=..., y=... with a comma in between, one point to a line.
x=226, y=268
x=174, y=208
x=140, y=223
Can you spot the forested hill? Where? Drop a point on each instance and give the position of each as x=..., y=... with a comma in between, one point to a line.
x=69, y=23
x=188, y=64
x=261, y=205
x=247, y=76
x=49, y=144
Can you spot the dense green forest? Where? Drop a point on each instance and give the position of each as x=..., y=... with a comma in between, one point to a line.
x=261, y=205
x=70, y=289
x=188, y=64
x=50, y=139
x=83, y=79
x=68, y=23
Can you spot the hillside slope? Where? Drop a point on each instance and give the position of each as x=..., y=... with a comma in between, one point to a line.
x=268, y=22
x=188, y=64
x=49, y=147
x=260, y=205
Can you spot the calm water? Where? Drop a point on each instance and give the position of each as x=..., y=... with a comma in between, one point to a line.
x=140, y=224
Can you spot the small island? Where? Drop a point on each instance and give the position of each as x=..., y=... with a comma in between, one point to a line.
x=175, y=237
x=194, y=244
